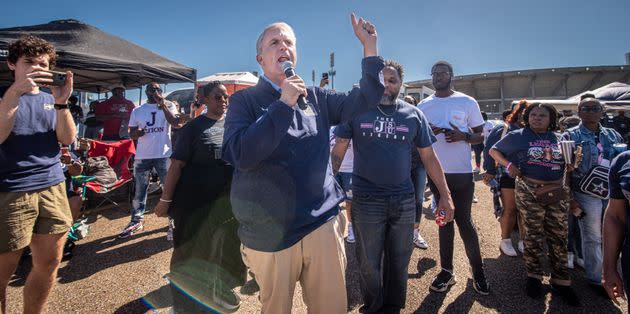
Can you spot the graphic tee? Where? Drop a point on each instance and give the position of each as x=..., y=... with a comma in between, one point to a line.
x=383, y=138
x=111, y=126
x=29, y=157
x=156, y=142
x=536, y=155
x=462, y=111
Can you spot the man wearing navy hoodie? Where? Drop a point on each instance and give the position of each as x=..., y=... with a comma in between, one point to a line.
x=283, y=192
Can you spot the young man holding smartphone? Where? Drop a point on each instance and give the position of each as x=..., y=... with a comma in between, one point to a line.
x=34, y=209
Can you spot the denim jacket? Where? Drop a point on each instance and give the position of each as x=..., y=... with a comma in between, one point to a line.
x=585, y=137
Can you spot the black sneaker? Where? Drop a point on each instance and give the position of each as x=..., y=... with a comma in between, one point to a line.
x=567, y=293
x=481, y=286
x=533, y=288
x=442, y=281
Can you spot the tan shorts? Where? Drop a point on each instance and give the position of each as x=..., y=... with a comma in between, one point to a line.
x=43, y=211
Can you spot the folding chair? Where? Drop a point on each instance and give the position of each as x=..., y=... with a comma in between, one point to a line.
x=119, y=156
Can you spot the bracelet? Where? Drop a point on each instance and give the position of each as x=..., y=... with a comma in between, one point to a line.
x=165, y=201
x=507, y=167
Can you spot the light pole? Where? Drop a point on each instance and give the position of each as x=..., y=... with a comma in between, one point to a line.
x=332, y=71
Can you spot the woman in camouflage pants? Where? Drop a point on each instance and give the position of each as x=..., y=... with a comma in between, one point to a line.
x=533, y=157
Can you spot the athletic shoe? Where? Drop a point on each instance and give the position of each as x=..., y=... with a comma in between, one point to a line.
x=567, y=294
x=442, y=281
x=131, y=229
x=507, y=248
x=521, y=246
x=570, y=261
x=419, y=241
x=481, y=286
x=350, y=237
x=533, y=287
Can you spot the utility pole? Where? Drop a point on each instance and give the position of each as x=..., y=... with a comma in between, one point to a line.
x=313, y=77
x=332, y=71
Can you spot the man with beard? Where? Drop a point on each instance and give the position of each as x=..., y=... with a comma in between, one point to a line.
x=453, y=115
x=384, y=199
x=283, y=193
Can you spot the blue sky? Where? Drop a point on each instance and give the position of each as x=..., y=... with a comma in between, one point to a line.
x=475, y=36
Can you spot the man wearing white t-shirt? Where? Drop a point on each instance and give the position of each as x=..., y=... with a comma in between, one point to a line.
x=457, y=123
x=149, y=124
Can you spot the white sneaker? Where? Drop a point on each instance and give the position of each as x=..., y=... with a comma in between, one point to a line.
x=419, y=241
x=350, y=237
x=570, y=260
x=521, y=246
x=580, y=262
x=507, y=248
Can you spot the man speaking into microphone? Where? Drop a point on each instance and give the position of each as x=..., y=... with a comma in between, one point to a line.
x=283, y=192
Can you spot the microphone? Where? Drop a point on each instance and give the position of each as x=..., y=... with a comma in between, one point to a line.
x=287, y=67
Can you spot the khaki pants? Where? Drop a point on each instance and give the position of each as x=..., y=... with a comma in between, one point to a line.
x=318, y=262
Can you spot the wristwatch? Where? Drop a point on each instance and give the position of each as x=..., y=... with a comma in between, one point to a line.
x=62, y=106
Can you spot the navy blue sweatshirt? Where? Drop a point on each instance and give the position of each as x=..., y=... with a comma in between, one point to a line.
x=283, y=187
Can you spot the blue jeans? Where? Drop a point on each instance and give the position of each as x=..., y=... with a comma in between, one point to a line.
x=419, y=179
x=383, y=229
x=591, y=232
x=141, y=175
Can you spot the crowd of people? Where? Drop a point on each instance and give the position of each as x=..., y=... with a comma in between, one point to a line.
x=258, y=189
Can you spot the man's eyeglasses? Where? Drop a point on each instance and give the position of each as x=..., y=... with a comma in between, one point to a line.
x=591, y=109
x=155, y=89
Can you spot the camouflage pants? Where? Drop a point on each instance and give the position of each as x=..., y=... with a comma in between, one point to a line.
x=543, y=223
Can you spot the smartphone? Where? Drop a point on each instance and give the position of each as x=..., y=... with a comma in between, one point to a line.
x=59, y=78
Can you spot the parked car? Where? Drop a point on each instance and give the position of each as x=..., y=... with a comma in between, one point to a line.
x=183, y=96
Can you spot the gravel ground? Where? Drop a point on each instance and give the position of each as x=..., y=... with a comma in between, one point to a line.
x=125, y=276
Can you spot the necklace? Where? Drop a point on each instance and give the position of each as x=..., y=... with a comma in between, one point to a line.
x=383, y=112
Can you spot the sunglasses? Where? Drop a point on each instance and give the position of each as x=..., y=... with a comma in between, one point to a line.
x=591, y=109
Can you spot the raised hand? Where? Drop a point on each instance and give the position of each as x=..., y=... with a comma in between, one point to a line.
x=366, y=33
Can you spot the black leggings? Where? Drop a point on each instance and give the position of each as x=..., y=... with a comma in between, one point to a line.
x=462, y=189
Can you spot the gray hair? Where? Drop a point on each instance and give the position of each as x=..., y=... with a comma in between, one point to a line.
x=269, y=27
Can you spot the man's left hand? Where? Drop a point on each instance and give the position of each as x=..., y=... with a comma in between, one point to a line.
x=62, y=93
x=454, y=135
